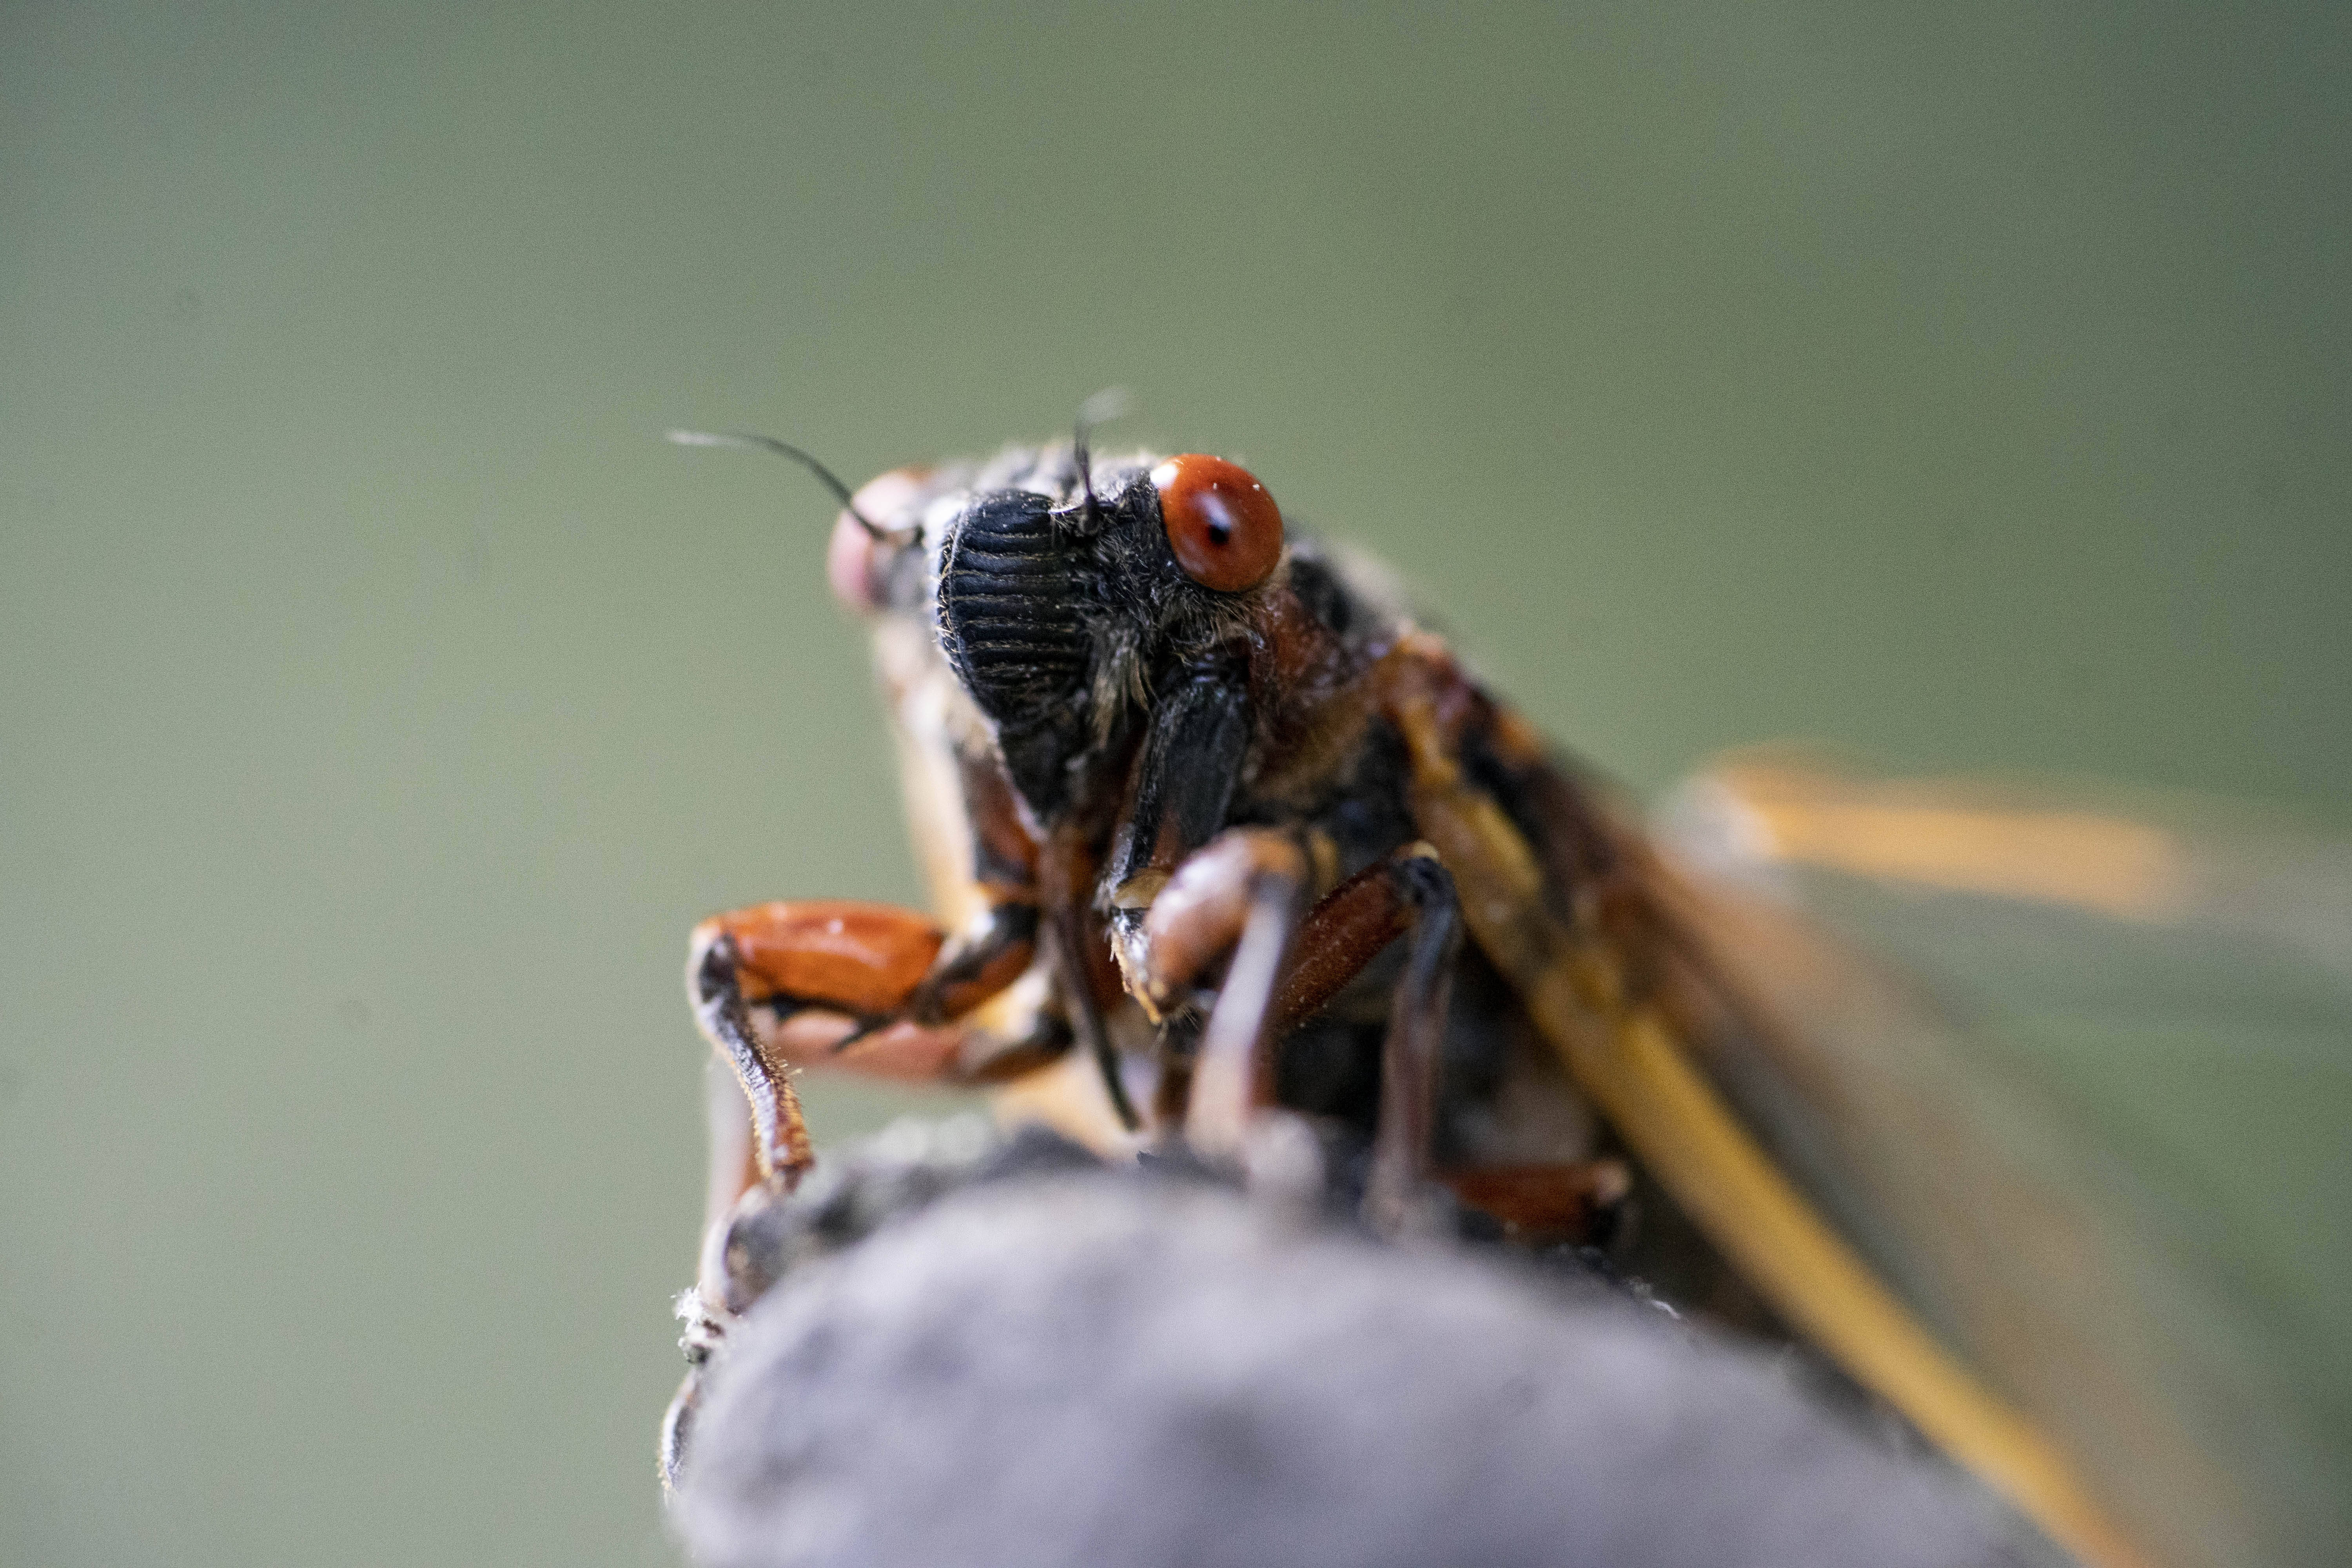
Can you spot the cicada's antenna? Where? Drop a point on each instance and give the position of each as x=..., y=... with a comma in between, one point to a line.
x=1110, y=403
x=750, y=441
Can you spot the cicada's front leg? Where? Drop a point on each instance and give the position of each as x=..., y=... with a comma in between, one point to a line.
x=1246, y=894
x=870, y=988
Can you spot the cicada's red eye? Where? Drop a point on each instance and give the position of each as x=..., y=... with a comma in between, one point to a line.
x=1225, y=530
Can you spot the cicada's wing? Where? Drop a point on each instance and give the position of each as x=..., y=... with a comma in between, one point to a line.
x=2078, y=1080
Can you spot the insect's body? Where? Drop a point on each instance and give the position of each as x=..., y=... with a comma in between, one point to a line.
x=1289, y=737
x=1311, y=758
x=1207, y=814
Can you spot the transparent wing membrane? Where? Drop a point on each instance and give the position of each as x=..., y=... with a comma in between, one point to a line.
x=2076, y=1072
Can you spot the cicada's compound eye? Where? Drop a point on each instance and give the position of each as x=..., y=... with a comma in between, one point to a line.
x=1225, y=530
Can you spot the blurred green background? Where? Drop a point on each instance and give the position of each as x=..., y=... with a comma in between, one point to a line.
x=381, y=701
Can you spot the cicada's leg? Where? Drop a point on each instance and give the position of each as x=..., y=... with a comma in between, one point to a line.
x=974, y=964
x=734, y=1170
x=1244, y=891
x=734, y=1157
x=1180, y=786
x=1578, y=1201
x=678, y=1429
x=1238, y=884
x=1264, y=997
x=1242, y=895
x=1411, y=1055
x=1413, y=892
x=867, y=988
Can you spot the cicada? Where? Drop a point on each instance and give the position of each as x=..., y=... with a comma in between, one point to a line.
x=1219, y=834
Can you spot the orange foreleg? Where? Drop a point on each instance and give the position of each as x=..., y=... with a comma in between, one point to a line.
x=870, y=988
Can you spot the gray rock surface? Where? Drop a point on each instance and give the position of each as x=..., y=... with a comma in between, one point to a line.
x=1090, y=1368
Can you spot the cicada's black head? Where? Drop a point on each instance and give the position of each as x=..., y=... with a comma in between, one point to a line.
x=1056, y=611
x=1057, y=601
